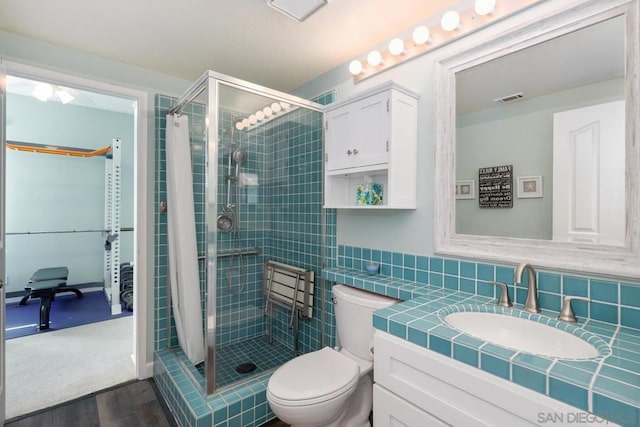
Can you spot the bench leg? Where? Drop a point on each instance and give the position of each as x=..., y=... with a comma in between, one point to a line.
x=78, y=292
x=45, y=309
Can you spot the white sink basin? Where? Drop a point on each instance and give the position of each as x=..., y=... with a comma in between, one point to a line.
x=521, y=334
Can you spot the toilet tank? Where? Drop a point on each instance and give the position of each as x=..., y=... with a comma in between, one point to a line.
x=354, y=318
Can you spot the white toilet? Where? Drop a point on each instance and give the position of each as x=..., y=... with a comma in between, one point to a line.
x=329, y=388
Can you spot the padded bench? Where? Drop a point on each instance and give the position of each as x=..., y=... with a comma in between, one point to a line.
x=45, y=283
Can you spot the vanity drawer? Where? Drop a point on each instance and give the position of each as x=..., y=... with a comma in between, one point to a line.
x=390, y=410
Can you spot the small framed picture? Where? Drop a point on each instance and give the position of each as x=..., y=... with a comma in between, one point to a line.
x=466, y=189
x=529, y=187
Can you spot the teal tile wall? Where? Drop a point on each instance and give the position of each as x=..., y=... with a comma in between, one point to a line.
x=240, y=313
x=293, y=193
x=612, y=300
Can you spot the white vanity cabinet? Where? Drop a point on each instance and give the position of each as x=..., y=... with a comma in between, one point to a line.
x=372, y=137
x=418, y=387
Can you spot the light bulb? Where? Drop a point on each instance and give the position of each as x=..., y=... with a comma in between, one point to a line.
x=267, y=111
x=239, y=125
x=396, y=46
x=485, y=7
x=276, y=107
x=43, y=91
x=450, y=20
x=245, y=123
x=253, y=119
x=355, y=67
x=421, y=35
x=284, y=105
x=260, y=115
x=374, y=58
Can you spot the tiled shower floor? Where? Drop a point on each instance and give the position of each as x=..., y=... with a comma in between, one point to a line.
x=256, y=350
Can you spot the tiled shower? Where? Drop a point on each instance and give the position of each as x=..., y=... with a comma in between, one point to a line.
x=283, y=218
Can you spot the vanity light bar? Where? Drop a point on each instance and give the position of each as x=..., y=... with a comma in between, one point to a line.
x=425, y=38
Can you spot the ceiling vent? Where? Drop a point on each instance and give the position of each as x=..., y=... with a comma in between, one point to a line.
x=509, y=98
x=297, y=9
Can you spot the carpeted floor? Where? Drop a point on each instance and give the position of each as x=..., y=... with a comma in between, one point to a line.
x=46, y=369
x=66, y=311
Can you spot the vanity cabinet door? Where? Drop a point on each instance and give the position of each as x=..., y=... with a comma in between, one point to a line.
x=357, y=134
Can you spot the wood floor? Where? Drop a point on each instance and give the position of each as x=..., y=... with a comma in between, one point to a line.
x=133, y=404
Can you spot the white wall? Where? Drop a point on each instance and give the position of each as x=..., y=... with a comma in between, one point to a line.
x=408, y=231
x=35, y=53
x=54, y=193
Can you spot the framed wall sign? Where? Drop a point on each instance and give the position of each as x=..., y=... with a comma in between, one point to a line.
x=495, y=186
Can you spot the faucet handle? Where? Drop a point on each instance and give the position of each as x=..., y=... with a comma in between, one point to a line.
x=567, y=314
x=503, y=300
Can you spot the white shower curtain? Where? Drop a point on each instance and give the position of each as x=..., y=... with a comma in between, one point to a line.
x=183, y=253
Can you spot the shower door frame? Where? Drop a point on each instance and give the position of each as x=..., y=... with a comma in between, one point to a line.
x=210, y=82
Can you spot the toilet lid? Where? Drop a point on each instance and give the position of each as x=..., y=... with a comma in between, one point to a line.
x=317, y=376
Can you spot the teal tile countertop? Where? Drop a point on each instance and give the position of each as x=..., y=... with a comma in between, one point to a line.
x=607, y=385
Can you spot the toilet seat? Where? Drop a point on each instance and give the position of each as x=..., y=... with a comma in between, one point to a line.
x=313, y=378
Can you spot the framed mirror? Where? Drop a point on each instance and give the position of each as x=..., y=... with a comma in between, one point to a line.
x=544, y=120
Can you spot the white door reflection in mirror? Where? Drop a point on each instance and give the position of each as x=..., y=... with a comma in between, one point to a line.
x=588, y=180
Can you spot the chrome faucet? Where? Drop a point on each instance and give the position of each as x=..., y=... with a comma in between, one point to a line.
x=531, y=305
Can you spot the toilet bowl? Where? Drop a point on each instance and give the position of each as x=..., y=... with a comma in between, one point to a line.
x=330, y=388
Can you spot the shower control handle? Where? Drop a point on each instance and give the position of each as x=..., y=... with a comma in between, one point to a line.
x=349, y=152
x=355, y=151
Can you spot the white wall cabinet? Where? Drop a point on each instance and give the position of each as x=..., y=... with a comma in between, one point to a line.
x=415, y=386
x=372, y=137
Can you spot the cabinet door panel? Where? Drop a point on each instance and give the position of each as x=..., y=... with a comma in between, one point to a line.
x=373, y=130
x=339, y=132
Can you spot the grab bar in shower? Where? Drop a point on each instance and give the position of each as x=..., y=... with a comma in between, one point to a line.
x=226, y=254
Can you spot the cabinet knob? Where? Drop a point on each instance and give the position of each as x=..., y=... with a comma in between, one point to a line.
x=355, y=151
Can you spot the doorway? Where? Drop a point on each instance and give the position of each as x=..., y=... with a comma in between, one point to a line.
x=137, y=105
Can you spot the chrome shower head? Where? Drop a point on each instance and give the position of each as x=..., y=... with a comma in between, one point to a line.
x=239, y=155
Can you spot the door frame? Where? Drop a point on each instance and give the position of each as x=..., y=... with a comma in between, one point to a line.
x=143, y=368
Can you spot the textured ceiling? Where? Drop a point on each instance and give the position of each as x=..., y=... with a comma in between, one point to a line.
x=243, y=38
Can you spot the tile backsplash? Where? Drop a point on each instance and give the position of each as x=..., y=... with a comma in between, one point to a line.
x=612, y=300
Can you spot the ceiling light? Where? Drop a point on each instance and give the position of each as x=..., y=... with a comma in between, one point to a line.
x=43, y=91
x=485, y=7
x=267, y=111
x=260, y=115
x=245, y=123
x=355, y=67
x=396, y=46
x=253, y=119
x=64, y=95
x=421, y=35
x=374, y=58
x=239, y=126
x=450, y=20
x=297, y=9
x=284, y=105
x=276, y=107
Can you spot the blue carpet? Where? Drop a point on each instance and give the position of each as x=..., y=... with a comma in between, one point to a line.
x=66, y=311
